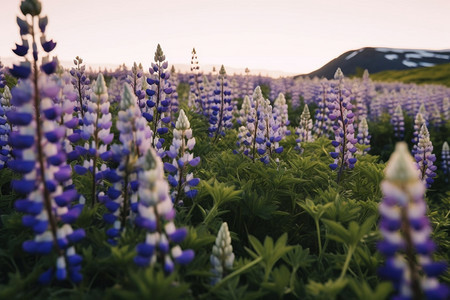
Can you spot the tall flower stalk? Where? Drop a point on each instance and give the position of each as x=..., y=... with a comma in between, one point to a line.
x=304, y=129
x=48, y=200
x=134, y=137
x=81, y=83
x=344, y=141
x=406, y=232
x=97, y=122
x=181, y=180
x=156, y=215
x=159, y=99
x=398, y=123
x=221, y=114
x=222, y=257
x=445, y=155
x=425, y=158
x=363, y=135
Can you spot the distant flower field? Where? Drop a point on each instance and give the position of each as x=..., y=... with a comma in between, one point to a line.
x=155, y=184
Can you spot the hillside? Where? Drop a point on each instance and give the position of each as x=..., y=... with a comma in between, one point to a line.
x=381, y=59
x=438, y=75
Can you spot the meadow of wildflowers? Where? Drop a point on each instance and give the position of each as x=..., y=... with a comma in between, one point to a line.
x=156, y=184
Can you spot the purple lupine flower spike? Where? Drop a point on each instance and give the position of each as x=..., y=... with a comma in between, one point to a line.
x=280, y=112
x=342, y=116
x=156, y=215
x=197, y=90
x=398, y=123
x=418, y=122
x=304, y=129
x=81, y=83
x=135, y=139
x=445, y=155
x=97, y=122
x=49, y=199
x=221, y=116
x=406, y=232
x=5, y=125
x=222, y=257
x=424, y=158
x=322, y=123
x=181, y=180
x=363, y=136
x=2, y=76
x=159, y=99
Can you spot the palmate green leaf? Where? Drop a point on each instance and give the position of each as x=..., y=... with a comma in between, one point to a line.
x=298, y=258
x=364, y=291
x=221, y=193
x=149, y=283
x=341, y=235
x=326, y=291
x=234, y=291
x=353, y=234
x=269, y=252
x=280, y=281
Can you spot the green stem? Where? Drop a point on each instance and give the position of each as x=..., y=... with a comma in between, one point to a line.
x=319, y=242
x=211, y=214
x=236, y=273
x=351, y=249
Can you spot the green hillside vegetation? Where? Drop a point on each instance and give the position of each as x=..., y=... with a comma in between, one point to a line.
x=439, y=74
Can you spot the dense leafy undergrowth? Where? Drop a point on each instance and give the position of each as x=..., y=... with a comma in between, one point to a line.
x=295, y=232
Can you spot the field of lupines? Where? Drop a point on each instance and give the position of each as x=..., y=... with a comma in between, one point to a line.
x=153, y=184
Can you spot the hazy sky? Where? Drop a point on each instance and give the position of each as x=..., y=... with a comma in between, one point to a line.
x=292, y=35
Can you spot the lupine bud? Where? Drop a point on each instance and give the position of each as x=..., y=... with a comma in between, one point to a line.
x=406, y=232
x=222, y=257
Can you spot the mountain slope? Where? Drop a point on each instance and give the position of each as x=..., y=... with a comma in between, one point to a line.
x=381, y=59
x=439, y=74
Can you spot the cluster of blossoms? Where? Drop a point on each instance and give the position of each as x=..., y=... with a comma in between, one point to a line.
x=138, y=83
x=159, y=99
x=156, y=215
x=183, y=142
x=418, y=122
x=425, y=158
x=197, y=90
x=5, y=127
x=135, y=139
x=304, y=129
x=221, y=109
x=363, y=135
x=222, y=257
x=81, y=84
x=2, y=76
x=49, y=200
x=280, y=114
x=245, y=111
x=342, y=116
x=445, y=155
x=96, y=132
x=398, y=123
x=406, y=232
x=322, y=122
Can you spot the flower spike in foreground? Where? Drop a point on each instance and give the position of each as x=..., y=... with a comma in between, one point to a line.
x=406, y=232
x=222, y=256
x=445, y=160
x=156, y=215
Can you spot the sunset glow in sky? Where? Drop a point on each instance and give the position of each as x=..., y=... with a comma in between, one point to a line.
x=291, y=35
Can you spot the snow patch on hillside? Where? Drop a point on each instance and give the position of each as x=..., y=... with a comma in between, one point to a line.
x=391, y=56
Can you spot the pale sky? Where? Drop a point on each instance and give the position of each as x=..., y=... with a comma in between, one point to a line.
x=290, y=35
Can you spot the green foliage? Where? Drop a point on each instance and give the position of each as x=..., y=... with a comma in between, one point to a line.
x=439, y=74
